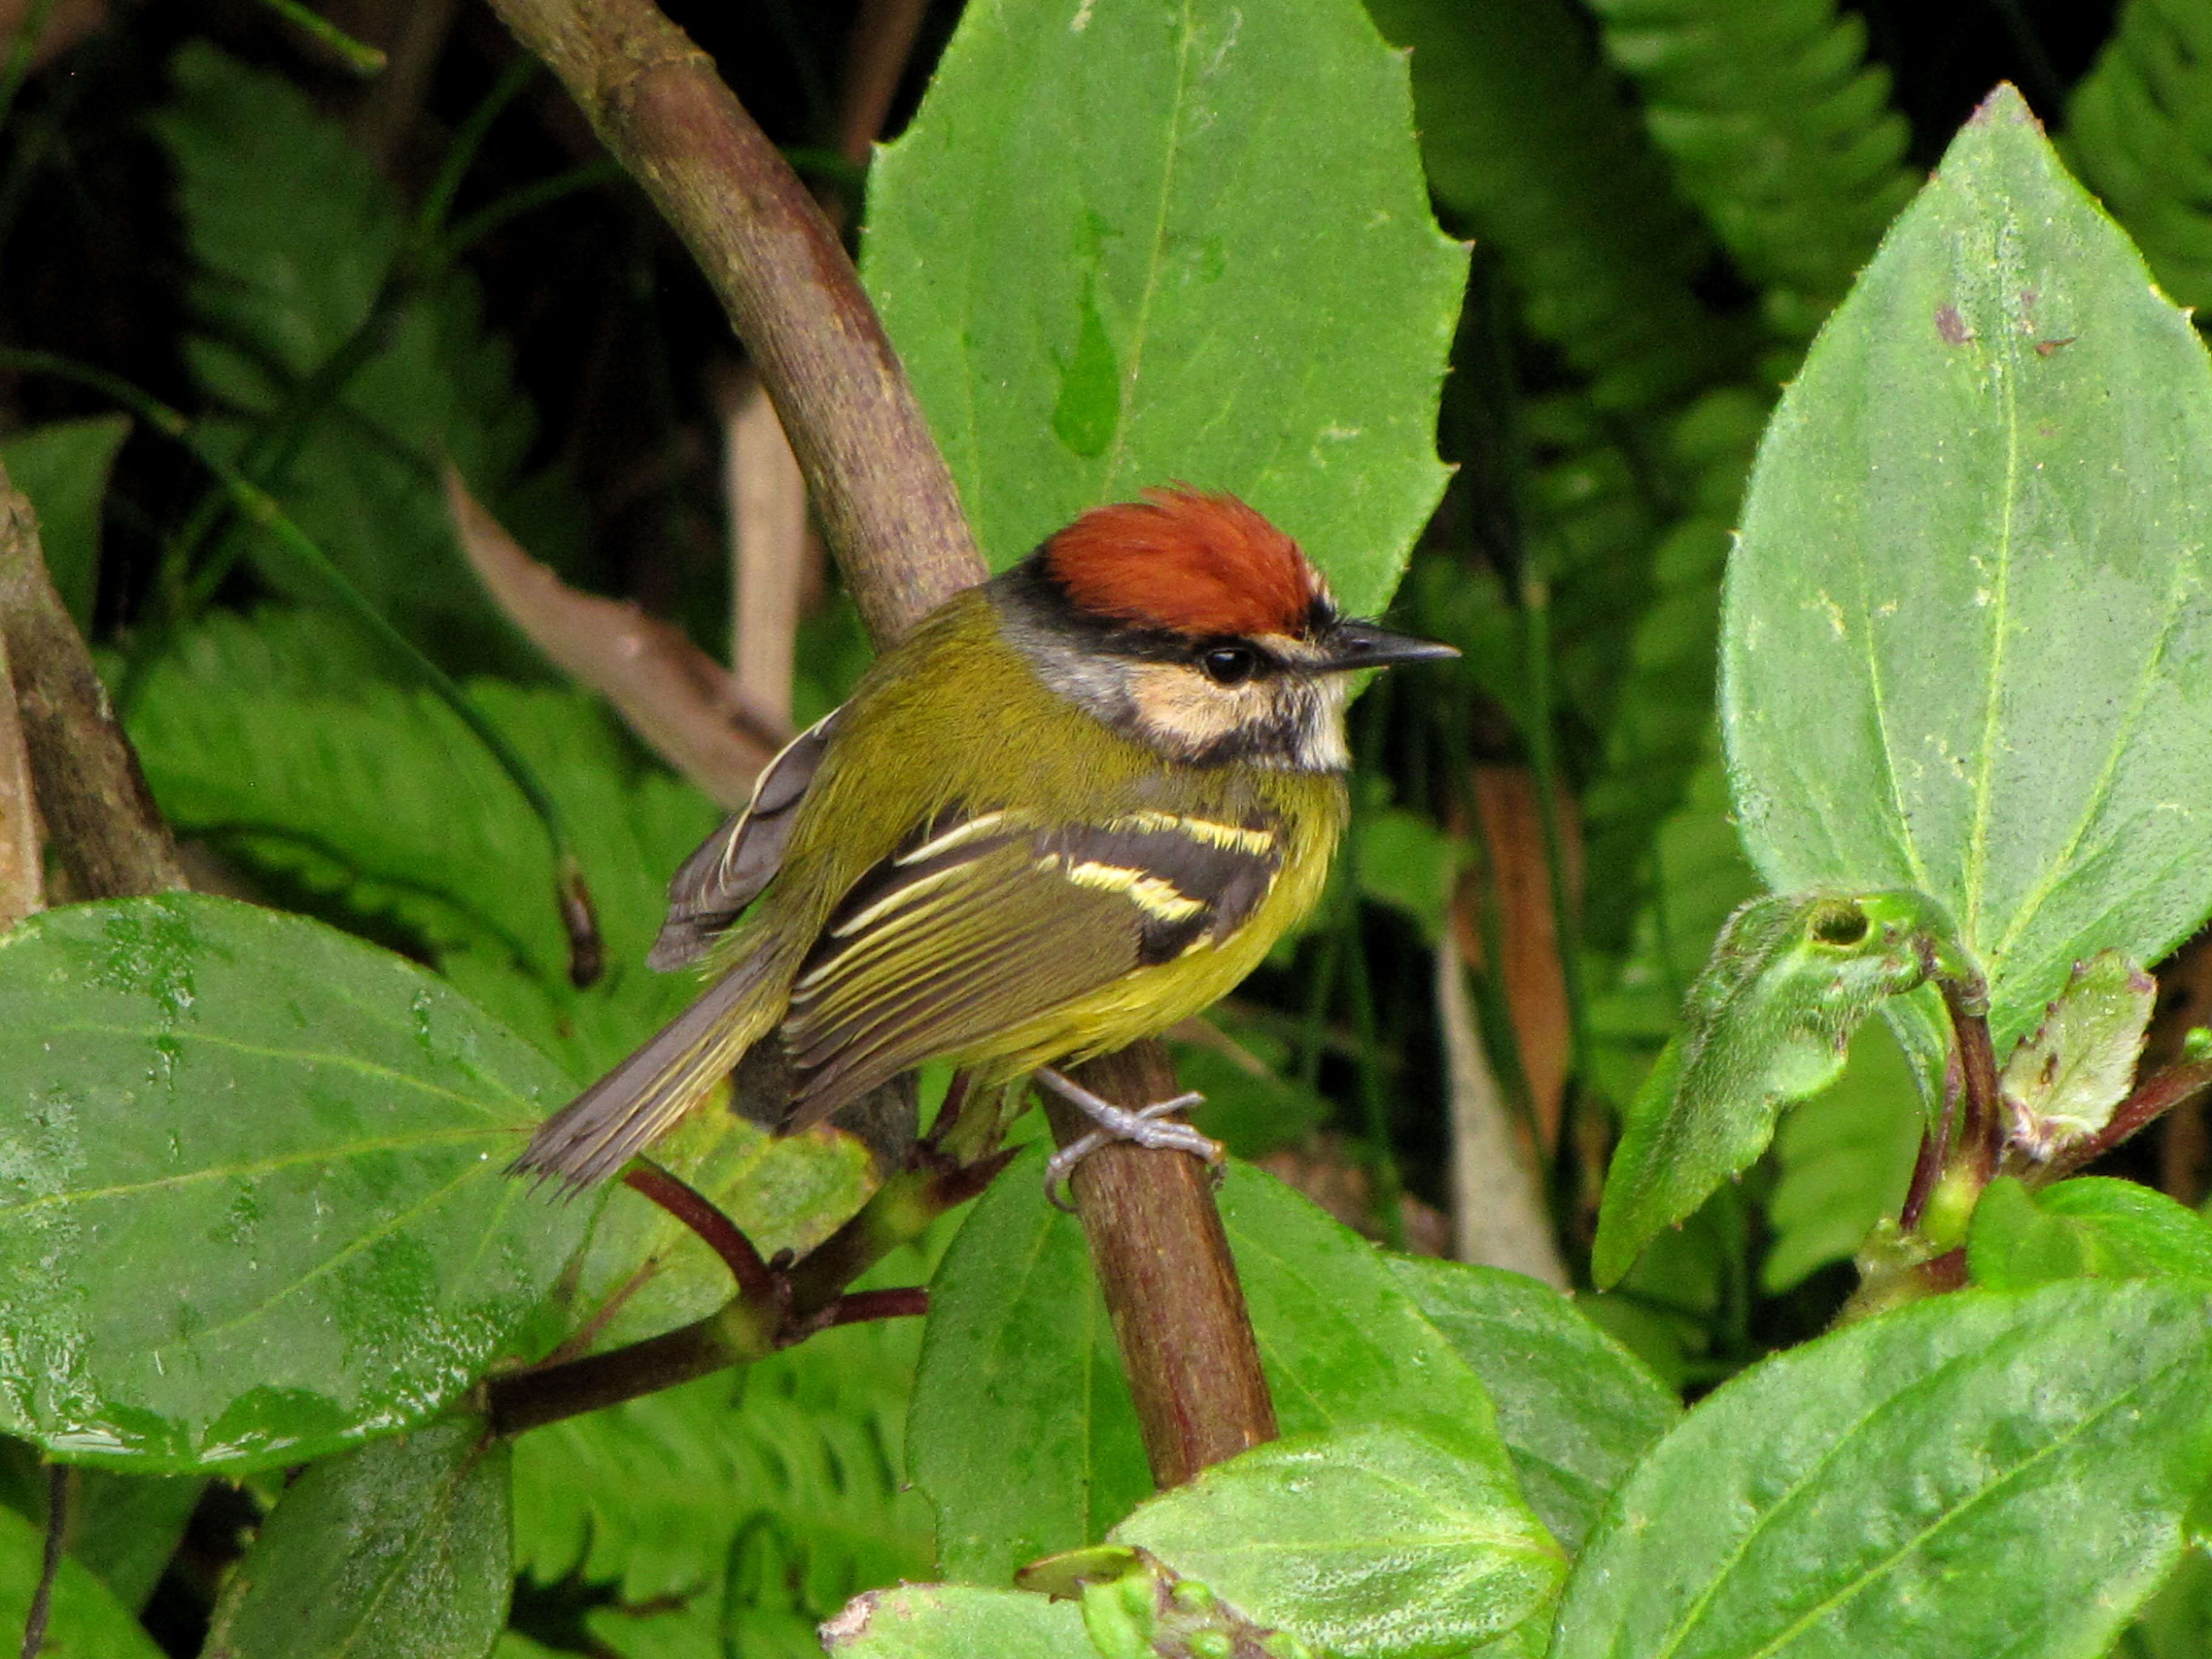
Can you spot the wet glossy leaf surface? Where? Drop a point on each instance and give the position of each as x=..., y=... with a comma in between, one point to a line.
x=1575, y=1409
x=86, y=1619
x=2092, y=1226
x=252, y=1198
x=1124, y=245
x=1967, y=646
x=395, y=1551
x=1979, y=1474
x=1376, y=1544
x=939, y=1621
x=1022, y=1433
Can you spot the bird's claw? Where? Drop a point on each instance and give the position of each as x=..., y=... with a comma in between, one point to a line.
x=1142, y=1126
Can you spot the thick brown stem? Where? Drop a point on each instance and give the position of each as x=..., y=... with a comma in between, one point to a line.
x=22, y=868
x=885, y=498
x=111, y=841
x=1165, y=1266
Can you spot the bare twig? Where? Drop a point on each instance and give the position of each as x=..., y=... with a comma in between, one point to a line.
x=110, y=840
x=49, y=1563
x=885, y=498
x=682, y=702
x=1165, y=1267
x=22, y=872
x=768, y=549
x=1499, y=1214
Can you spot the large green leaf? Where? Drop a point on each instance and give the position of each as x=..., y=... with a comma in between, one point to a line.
x=1968, y=639
x=1122, y=245
x=1023, y=1431
x=86, y=1619
x=395, y=1551
x=64, y=469
x=1981, y=1474
x=252, y=1205
x=1575, y=1408
x=1345, y=1347
x=1374, y=1545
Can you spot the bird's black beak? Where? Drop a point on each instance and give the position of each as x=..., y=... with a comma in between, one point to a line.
x=1354, y=645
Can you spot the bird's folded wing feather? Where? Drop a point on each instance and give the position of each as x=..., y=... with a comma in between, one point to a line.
x=983, y=923
x=711, y=889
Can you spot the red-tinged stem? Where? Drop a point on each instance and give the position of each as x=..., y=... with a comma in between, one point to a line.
x=1982, y=1137
x=2158, y=1094
x=716, y=1230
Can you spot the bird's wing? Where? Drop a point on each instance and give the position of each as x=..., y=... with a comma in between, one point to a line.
x=985, y=921
x=711, y=889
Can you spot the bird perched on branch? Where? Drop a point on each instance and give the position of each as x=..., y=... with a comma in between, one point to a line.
x=1074, y=805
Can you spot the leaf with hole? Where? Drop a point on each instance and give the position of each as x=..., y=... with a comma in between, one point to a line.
x=1124, y=245
x=1768, y=1022
x=1967, y=639
x=1981, y=1473
x=252, y=1205
x=952, y=1621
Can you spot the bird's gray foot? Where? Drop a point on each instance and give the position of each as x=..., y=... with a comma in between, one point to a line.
x=1147, y=1126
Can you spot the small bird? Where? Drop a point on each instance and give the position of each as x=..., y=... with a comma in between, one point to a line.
x=1074, y=805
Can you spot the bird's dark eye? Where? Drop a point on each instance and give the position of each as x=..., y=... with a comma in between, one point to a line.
x=1229, y=665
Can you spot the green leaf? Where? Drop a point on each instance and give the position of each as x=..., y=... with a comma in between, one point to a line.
x=306, y=1133
x=1766, y=1024
x=1406, y=861
x=1978, y=1474
x=952, y=1621
x=1121, y=246
x=1376, y=1544
x=1845, y=1158
x=124, y=1527
x=395, y=1551
x=64, y=469
x=1576, y=1409
x=2061, y=1084
x=1023, y=1431
x=1344, y=1346
x=803, y=1451
x=2093, y=1226
x=1966, y=623
x=86, y=1619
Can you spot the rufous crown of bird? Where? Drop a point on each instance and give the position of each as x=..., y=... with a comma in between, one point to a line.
x=1076, y=805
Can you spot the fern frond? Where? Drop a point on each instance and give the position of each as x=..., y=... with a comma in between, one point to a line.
x=1779, y=131
x=791, y=1469
x=2139, y=131
x=1531, y=144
